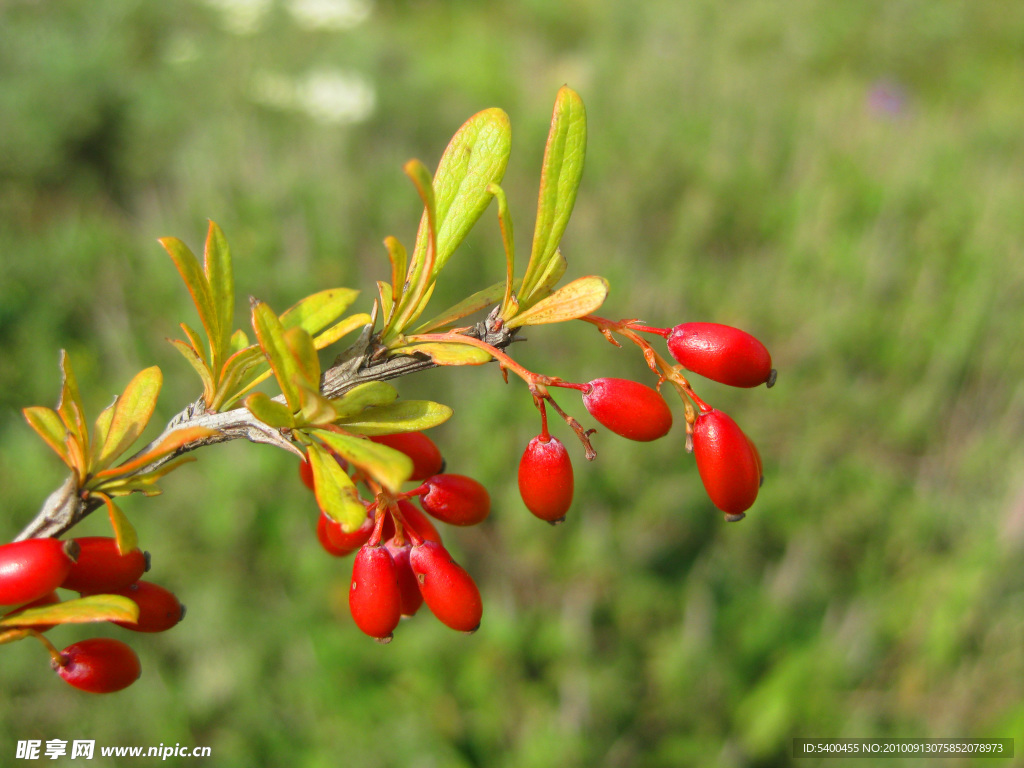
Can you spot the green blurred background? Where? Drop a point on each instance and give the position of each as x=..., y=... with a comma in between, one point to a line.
x=844, y=180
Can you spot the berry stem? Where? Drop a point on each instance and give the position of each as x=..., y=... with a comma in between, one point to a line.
x=57, y=659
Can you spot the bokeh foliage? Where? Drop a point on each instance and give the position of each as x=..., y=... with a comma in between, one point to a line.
x=843, y=180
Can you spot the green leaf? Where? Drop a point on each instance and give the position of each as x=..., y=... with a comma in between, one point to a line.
x=336, y=494
x=316, y=409
x=553, y=272
x=447, y=352
x=580, y=297
x=220, y=278
x=82, y=610
x=300, y=344
x=560, y=178
x=144, y=483
x=71, y=411
x=399, y=260
x=238, y=371
x=475, y=157
x=132, y=412
x=12, y=635
x=167, y=445
x=48, y=425
x=270, y=334
x=387, y=305
x=387, y=466
x=200, y=366
x=124, y=531
x=418, y=282
x=239, y=341
x=469, y=305
x=270, y=412
x=342, y=328
x=316, y=312
x=405, y=416
x=363, y=396
x=197, y=284
x=197, y=345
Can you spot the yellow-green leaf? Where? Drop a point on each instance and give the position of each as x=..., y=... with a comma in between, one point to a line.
x=48, y=425
x=316, y=312
x=405, y=416
x=341, y=328
x=549, y=278
x=237, y=373
x=315, y=408
x=469, y=305
x=578, y=298
x=399, y=260
x=124, y=531
x=12, y=635
x=197, y=284
x=220, y=278
x=363, y=396
x=132, y=412
x=83, y=610
x=270, y=334
x=270, y=412
x=387, y=466
x=168, y=445
x=300, y=345
x=336, y=494
x=418, y=282
x=199, y=364
x=71, y=410
x=144, y=483
x=447, y=352
x=560, y=178
x=239, y=341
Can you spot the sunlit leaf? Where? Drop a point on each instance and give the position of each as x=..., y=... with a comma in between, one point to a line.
x=404, y=416
x=239, y=341
x=580, y=297
x=12, y=635
x=238, y=370
x=270, y=412
x=83, y=610
x=399, y=260
x=124, y=531
x=71, y=410
x=386, y=294
x=167, y=445
x=336, y=494
x=101, y=427
x=447, y=352
x=270, y=334
x=197, y=284
x=192, y=336
x=418, y=282
x=144, y=483
x=48, y=425
x=341, y=328
x=132, y=413
x=363, y=396
x=315, y=408
x=220, y=278
x=198, y=364
x=387, y=466
x=469, y=305
x=560, y=178
x=316, y=312
x=549, y=278
x=300, y=344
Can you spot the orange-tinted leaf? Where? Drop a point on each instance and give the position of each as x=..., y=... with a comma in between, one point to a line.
x=580, y=297
x=83, y=610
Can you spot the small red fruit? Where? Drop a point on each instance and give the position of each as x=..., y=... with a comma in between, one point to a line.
x=306, y=474
x=545, y=478
x=425, y=455
x=408, y=586
x=101, y=567
x=628, y=408
x=374, y=595
x=31, y=568
x=336, y=541
x=417, y=521
x=722, y=353
x=456, y=500
x=727, y=463
x=99, y=665
x=449, y=592
x=159, y=608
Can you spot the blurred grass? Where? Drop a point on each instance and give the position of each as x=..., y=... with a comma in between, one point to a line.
x=844, y=181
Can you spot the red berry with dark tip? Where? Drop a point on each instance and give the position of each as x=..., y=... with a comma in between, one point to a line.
x=628, y=408
x=159, y=608
x=722, y=353
x=374, y=595
x=546, y=479
x=31, y=568
x=417, y=521
x=98, y=665
x=336, y=541
x=425, y=455
x=102, y=568
x=456, y=500
x=408, y=586
x=449, y=592
x=726, y=461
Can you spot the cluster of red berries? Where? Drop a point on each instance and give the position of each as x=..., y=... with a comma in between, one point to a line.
x=400, y=562
x=727, y=460
x=32, y=570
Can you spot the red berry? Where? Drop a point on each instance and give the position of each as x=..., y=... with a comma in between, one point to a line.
x=722, y=353
x=50, y=598
x=306, y=474
x=726, y=461
x=408, y=586
x=456, y=500
x=99, y=665
x=31, y=568
x=336, y=541
x=425, y=455
x=101, y=567
x=449, y=592
x=159, y=608
x=545, y=478
x=417, y=521
x=628, y=408
x=374, y=595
